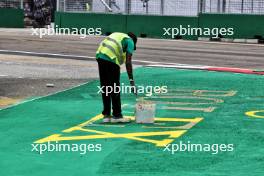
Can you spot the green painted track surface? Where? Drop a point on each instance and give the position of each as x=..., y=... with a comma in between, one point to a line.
x=26, y=123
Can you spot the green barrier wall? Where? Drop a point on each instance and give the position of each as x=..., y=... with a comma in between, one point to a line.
x=11, y=18
x=152, y=26
x=245, y=26
x=108, y=23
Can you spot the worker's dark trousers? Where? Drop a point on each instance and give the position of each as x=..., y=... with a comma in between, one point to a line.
x=109, y=74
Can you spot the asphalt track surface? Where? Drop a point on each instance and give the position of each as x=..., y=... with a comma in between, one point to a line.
x=69, y=60
x=152, y=50
x=23, y=77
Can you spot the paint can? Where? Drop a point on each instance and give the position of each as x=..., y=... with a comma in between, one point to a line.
x=145, y=111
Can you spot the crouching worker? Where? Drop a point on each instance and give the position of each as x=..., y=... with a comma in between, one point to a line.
x=113, y=51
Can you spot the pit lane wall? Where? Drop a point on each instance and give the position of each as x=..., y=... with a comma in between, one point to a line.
x=11, y=18
x=245, y=26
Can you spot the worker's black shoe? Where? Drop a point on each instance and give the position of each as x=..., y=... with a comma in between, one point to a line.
x=120, y=119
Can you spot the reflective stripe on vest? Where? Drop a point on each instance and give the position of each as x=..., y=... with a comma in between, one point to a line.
x=112, y=47
x=120, y=50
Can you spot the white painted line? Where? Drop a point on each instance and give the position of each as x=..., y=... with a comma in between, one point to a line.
x=206, y=42
x=252, y=41
x=153, y=62
x=75, y=56
x=239, y=40
x=181, y=66
x=48, y=54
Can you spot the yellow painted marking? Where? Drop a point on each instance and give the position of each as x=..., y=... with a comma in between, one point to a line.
x=183, y=127
x=209, y=109
x=133, y=136
x=197, y=119
x=187, y=126
x=254, y=114
x=208, y=93
x=138, y=136
x=98, y=117
x=213, y=100
x=105, y=125
x=5, y=101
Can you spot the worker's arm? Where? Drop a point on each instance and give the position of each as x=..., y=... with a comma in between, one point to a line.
x=129, y=51
x=129, y=69
x=129, y=45
x=129, y=66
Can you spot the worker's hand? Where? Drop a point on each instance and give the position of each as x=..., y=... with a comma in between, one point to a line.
x=134, y=88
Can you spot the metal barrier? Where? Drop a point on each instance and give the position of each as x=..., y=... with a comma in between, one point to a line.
x=232, y=6
x=148, y=7
x=17, y=4
x=163, y=7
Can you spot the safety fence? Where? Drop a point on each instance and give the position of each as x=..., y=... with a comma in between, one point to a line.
x=44, y=8
x=232, y=6
x=163, y=7
x=147, y=7
x=36, y=12
x=150, y=17
x=16, y=4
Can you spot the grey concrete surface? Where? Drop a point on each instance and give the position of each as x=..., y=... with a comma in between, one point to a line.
x=174, y=51
x=24, y=76
x=23, y=88
x=40, y=67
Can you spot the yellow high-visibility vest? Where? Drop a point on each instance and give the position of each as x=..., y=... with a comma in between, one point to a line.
x=111, y=46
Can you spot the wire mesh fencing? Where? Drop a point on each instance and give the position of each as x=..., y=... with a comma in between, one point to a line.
x=36, y=12
x=233, y=6
x=147, y=7
x=17, y=4
x=163, y=7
